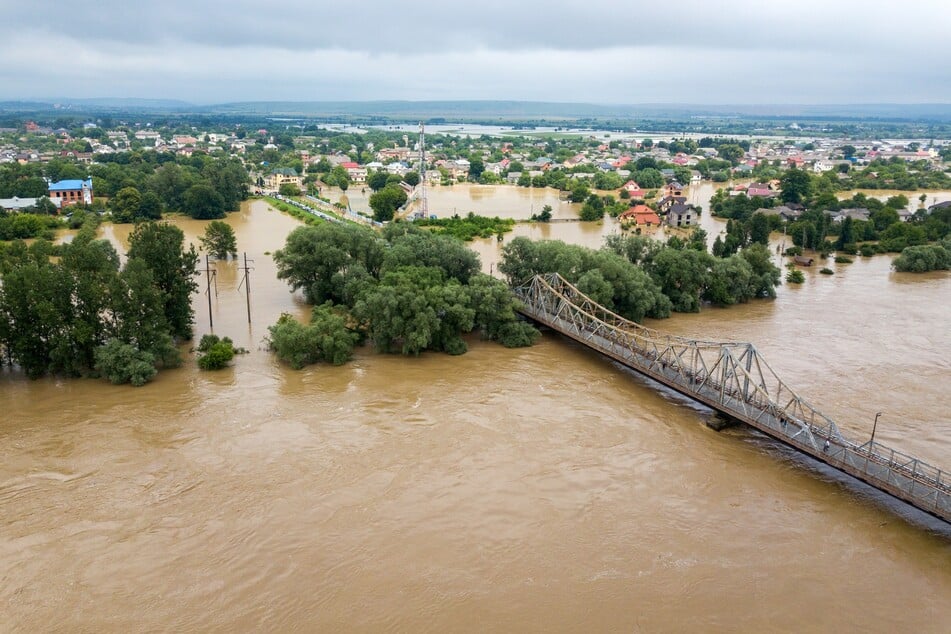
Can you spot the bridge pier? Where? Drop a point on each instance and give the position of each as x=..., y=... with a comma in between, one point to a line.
x=719, y=422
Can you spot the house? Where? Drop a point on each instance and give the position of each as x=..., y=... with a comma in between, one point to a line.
x=19, y=204
x=399, y=168
x=81, y=157
x=759, y=189
x=283, y=175
x=803, y=260
x=942, y=205
x=633, y=189
x=72, y=192
x=674, y=189
x=783, y=211
x=855, y=213
x=680, y=215
x=669, y=201
x=640, y=215
x=356, y=173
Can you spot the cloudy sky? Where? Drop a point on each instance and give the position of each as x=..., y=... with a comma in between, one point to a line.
x=592, y=51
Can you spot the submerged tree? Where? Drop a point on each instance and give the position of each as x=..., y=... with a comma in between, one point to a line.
x=219, y=240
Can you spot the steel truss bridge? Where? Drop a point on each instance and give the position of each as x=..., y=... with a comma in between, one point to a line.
x=735, y=380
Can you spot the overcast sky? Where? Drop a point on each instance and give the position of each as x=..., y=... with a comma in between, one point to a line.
x=591, y=51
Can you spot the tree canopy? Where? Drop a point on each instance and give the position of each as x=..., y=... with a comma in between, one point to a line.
x=81, y=314
x=407, y=290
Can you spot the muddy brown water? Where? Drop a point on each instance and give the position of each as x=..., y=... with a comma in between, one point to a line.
x=542, y=489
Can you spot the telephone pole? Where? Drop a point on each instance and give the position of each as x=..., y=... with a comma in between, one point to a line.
x=210, y=273
x=246, y=280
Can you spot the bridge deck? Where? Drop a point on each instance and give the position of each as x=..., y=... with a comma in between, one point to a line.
x=733, y=379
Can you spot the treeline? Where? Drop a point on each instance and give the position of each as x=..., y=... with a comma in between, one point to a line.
x=897, y=173
x=406, y=290
x=139, y=185
x=143, y=185
x=924, y=258
x=815, y=228
x=72, y=310
x=638, y=277
x=468, y=227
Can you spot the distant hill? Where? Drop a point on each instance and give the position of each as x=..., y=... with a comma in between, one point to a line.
x=548, y=110
x=486, y=111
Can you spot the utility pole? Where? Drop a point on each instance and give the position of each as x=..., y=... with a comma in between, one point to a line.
x=210, y=273
x=246, y=280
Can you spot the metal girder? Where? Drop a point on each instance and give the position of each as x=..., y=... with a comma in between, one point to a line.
x=735, y=379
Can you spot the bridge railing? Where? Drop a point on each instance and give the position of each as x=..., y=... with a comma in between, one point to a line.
x=735, y=378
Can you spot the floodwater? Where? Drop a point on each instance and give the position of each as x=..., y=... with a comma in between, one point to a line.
x=542, y=489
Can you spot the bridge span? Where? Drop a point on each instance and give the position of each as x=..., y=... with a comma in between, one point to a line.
x=734, y=379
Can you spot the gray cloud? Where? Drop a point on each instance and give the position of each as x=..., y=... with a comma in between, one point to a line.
x=597, y=51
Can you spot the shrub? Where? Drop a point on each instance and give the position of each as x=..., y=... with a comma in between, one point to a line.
x=867, y=250
x=217, y=356
x=518, y=334
x=215, y=353
x=827, y=271
x=841, y=259
x=920, y=259
x=795, y=276
x=124, y=363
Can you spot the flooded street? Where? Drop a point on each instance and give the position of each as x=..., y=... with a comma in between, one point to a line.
x=539, y=489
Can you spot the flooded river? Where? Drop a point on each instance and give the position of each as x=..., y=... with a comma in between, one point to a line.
x=542, y=489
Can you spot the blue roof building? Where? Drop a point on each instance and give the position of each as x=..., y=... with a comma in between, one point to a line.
x=72, y=192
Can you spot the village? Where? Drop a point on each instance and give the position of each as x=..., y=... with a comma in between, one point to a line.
x=641, y=181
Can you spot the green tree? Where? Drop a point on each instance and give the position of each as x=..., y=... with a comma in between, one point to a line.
x=759, y=229
x=215, y=353
x=126, y=205
x=923, y=258
x=765, y=274
x=151, y=206
x=593, y=208
x=162, y=248
x=650, y=178
x=123, y=363
x=322, y=260
x=170, y=182
x=730, y=152
x=682, y=276
x=386, y=201
x=422, y=249
x=579, y=192
x=796, y=186
x=413, y=309
x=339, y=177
x=202, y=202
x=730, y=281
x=411, y=178
x=219, y=240
x=846, y=233
x=289, y=189
x=377, y=180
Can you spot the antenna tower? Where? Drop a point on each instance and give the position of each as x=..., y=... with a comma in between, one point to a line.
x=423, y=211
